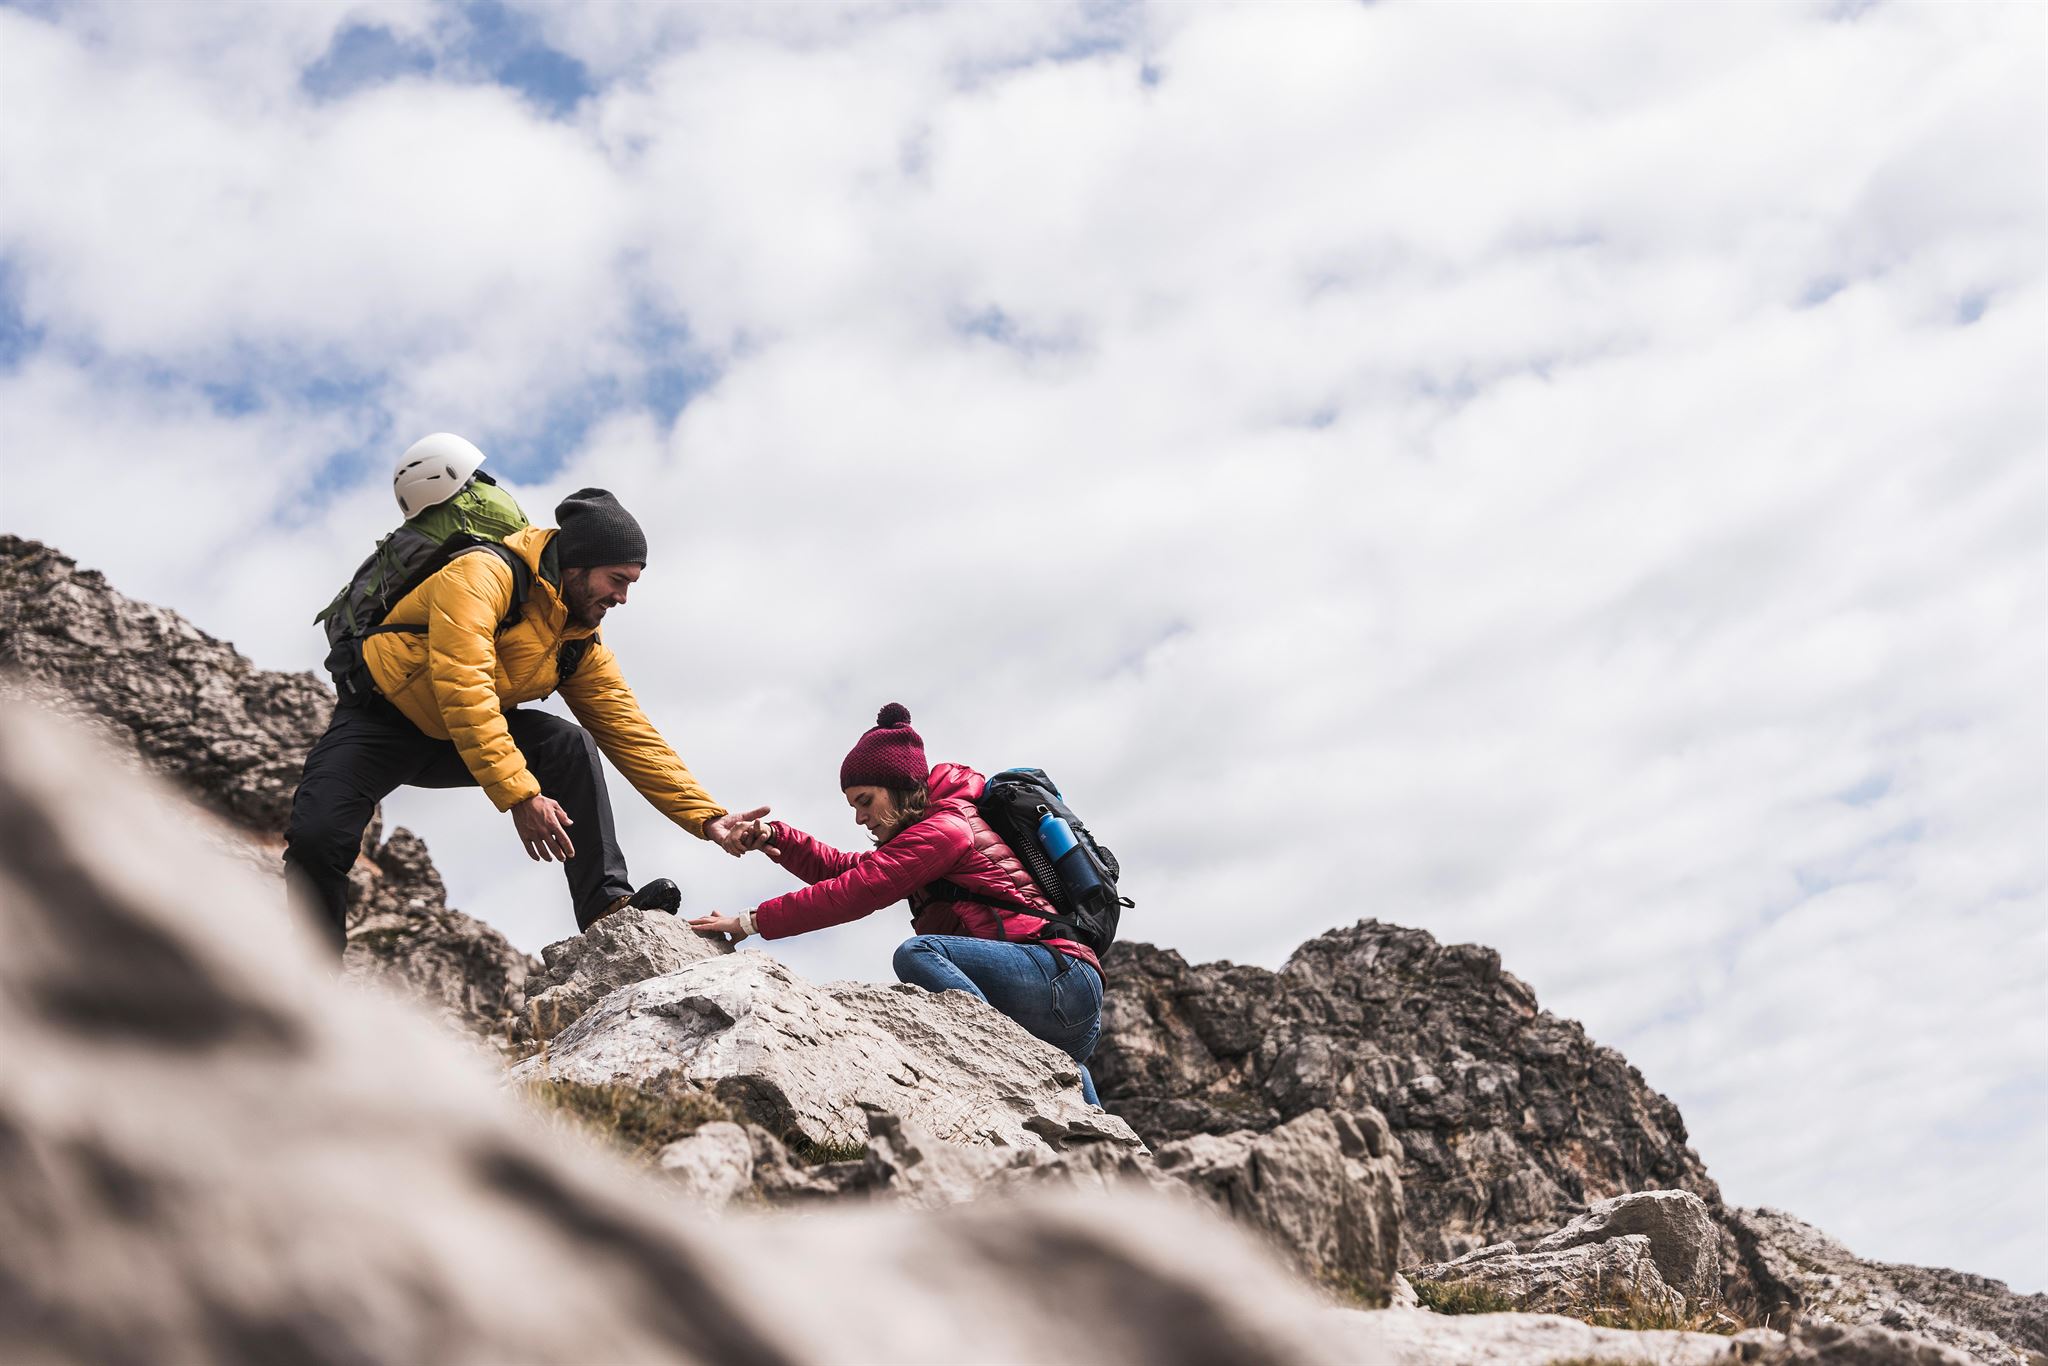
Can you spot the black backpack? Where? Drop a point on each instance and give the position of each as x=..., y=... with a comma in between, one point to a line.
x=476, y=519
x=1027, y=813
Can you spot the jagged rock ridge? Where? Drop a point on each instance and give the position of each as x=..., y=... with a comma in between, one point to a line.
x=1511, y=1119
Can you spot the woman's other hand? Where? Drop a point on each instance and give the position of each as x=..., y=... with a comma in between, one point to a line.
x=727, y=927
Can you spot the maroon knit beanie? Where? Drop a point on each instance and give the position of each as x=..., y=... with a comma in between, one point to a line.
x=890, y=755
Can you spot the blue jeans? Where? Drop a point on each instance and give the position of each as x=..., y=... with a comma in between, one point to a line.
x=1056, y=998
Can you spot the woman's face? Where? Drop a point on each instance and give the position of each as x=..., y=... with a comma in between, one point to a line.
x=874, y=810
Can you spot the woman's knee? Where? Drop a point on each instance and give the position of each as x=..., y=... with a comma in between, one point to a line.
x=913, y=959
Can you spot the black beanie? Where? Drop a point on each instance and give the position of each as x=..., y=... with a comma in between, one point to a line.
x=595, y=530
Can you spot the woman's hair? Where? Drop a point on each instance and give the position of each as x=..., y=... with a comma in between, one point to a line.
x=911, y=803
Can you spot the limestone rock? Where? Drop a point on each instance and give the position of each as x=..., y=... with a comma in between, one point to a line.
x=1324, y=1188
x=1510, y=1120
x=803, y=1060
x=1583, y=1280
x=210, y=1152
x=1407, y=1337
x=626, y=947
x=1805, y=1273
x=197, y=712
x=711, y=1167
x=1833, y=1344
x=1683, y=1238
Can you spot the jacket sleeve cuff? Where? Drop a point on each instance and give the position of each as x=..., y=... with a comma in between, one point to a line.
x=515, y=790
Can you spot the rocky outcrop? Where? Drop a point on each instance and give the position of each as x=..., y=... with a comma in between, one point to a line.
x=186, y=706
x=624, y=948
x=804, y=1060
x=1817, y=1278
x=1324, y=1188
x=212, y=1153
x=198, y=713
x=1655, y=1252
x=1510, y=1119
x=403, y=936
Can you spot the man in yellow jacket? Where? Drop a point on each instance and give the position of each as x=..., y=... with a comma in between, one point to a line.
x=451, y=676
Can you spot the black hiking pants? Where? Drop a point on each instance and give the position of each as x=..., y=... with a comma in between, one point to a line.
x=370, y=751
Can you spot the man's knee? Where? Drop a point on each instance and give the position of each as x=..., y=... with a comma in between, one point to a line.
x=550, y=741
x=322, y=840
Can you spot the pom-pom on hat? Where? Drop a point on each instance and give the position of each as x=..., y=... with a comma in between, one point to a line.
x=890, y=755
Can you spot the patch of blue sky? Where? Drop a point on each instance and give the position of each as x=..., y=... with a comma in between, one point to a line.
x=992, y=323
x=1867, y=791
x=361, y=57
x=506, y=44
x=481, y=41
x=677, y=369
x=19, y=338
x=1821, y=289
x=1102, y=28
x=1971, y=307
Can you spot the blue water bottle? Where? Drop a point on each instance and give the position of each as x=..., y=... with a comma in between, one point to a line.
x=1076, y=871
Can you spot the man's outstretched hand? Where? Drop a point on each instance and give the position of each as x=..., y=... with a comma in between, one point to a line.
x=738, y=834
x=544, y=829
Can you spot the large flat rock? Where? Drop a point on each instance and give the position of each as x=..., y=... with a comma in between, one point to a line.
x=804, y=1060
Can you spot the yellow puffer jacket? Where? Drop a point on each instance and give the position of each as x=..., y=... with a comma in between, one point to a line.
x=454, y=680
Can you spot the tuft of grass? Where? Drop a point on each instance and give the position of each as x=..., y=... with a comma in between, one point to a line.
x=1640, y=1313
x=806, y=1152
x=639, y=1120
x=1462, y=1297
x=1352, y=1291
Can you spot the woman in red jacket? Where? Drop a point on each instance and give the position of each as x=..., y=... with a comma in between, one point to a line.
x=979, y=917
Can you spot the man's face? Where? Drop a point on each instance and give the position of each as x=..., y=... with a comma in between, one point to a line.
x=590, y=593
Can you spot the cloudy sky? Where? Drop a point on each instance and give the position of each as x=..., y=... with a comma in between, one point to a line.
x=1567, y=478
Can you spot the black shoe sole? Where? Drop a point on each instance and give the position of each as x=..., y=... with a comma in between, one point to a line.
x=658, y=895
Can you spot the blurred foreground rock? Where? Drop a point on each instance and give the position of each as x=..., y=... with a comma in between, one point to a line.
x=211, y=1153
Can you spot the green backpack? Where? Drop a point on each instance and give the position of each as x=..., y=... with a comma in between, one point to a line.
x=477, y=519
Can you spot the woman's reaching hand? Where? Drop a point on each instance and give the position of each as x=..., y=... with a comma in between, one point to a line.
x=731, y=928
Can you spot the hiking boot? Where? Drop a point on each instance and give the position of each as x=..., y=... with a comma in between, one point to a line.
x=658, y=895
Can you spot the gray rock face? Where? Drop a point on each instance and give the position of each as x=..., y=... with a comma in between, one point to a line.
x=231, y=735
x=403, y=936
x=1583, y=1281
x=234, y=737
x=1510, y=1119
x=1813, y=1276
x=210, y=1152
x=625, y=947
x=1683, y=1239
x=803, y=1061
x=712, y=1167
x=1326, y=1189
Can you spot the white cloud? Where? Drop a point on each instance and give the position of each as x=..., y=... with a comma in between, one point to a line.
x=1567, y=478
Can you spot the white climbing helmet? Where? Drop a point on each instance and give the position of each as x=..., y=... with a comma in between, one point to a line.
x=432, y=470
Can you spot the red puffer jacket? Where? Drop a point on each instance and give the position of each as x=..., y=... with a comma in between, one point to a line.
x=951, y=848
